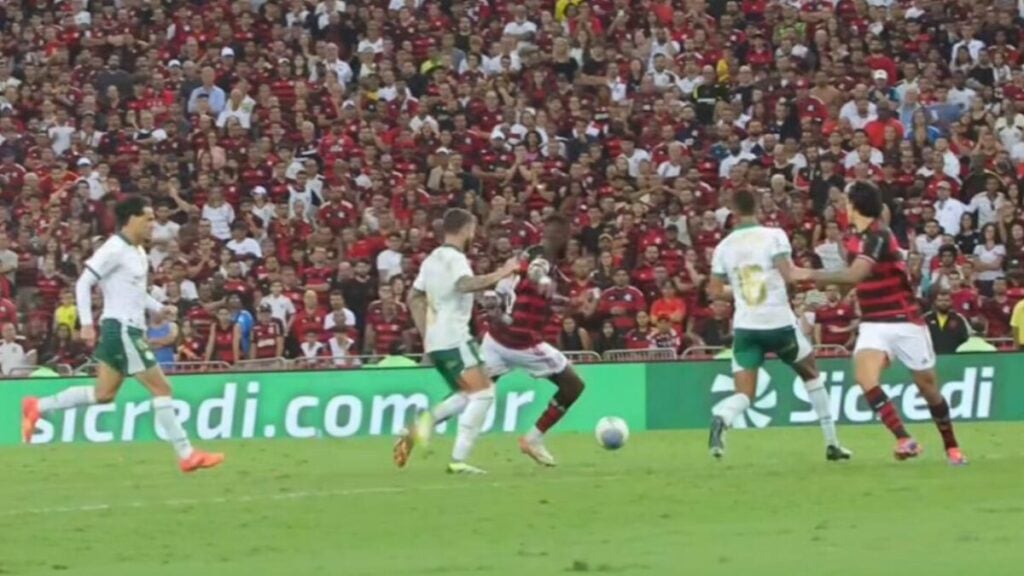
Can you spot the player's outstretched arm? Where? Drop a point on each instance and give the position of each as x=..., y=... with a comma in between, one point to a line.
x=478, y=283
x=83, y=301
x=852, y=274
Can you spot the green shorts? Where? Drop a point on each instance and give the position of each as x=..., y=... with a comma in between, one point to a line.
x=749, y=347
x=452, y=362
x=123, y=348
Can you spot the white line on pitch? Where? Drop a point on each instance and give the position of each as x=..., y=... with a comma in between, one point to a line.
x=178, y=502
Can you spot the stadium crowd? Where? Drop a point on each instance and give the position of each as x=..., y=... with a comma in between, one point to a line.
x=299, y=154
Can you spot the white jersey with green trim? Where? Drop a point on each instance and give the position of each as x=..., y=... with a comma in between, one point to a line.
x=122, y=269
x=746, y=260
x=449, y=311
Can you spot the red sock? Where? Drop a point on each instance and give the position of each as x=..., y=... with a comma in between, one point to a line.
x=940, y=414
x=879, y=402
x=550, y=417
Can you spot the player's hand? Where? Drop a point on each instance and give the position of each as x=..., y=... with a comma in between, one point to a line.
x=509, y=268
x=88, y=334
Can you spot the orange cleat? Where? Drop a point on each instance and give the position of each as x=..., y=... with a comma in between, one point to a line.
x=200, y=460
x=955, y=457
x=29, y=418
x=907, y=448
x=403, y=449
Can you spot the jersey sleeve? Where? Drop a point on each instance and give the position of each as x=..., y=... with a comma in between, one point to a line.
x=780, y=246
x=103, y=262
x=876, y=246
x=420, y=282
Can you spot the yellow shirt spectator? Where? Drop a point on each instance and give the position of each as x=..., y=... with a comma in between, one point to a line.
x=66, y=314
x=1017, y=323
x=562, y=5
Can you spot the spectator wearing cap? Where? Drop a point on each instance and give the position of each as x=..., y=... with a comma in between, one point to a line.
x=262, y=208
x=948, y=328
x=208, y=88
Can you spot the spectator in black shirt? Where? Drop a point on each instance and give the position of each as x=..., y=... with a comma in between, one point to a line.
x=948, y=328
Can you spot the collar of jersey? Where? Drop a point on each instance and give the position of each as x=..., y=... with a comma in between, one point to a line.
x=452, y=246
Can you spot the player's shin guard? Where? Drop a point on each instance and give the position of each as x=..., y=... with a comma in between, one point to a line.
x=167, y=420
x=67, y=399
x=450, y=406
x=819, y=400
x=879, y=402
x=471, y=422
x=940, y=414
x=731, y=407
x=567, y=395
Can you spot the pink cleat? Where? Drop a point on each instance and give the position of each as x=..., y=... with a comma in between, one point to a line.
x=29, y=418
x=955, y=457
x=907, y=448
x=200, y=460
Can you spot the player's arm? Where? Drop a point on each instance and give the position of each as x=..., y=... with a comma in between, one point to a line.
x=418, y=309
x=849, y=275
x=236, y=342
x=718, y=282
x=470, y=283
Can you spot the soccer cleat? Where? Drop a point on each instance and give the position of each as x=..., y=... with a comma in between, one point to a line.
x=537, y=451
x=955, y=457
x=716, y=440
x=465, y=469
x=29, y=418
x=403, y=449
x=200, y=460
x=836, y=453
x=907, y=448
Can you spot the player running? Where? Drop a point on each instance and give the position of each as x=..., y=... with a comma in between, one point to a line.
x=514, y=340
x=441, y=303
x=120, y=267
x=891, y=326
x=755, y=261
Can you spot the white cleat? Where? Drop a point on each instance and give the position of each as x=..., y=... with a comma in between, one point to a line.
x=537, y=451
x=465, y=469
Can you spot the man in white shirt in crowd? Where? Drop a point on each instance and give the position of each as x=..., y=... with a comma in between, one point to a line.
x=12, y=353
x=220, y=214
x=520, y=28
x=239, y=106
x=241, y=244
x=389, y=261
x=948, y=210
x=281, y=307
x=338, y=313
x=928, y=244
x=987, y=204
x=832, y=251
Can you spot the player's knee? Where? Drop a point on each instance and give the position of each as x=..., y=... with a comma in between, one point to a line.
x=104, y=396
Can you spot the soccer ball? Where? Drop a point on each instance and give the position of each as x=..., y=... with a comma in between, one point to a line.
x=611, y=432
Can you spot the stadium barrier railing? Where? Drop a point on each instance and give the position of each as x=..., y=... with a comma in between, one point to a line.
x=263, y=364
x=27, y=370
x=701, y=352
x=583, y=356
x=1003, y=344
x=642, y=355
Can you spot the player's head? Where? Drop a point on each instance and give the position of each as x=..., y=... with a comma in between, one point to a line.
x=134, y=218
x=556, y=232
x=459, y=227
x=865, y=203
x=744, y=203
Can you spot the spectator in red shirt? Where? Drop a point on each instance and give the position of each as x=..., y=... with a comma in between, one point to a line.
x=639, y=337
x=622, y=302
x=836, y=321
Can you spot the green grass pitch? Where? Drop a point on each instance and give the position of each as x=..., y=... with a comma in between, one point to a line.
x=658, y=507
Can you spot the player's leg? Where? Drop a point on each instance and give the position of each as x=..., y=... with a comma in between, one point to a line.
x=110, y=373
x=140, y=363
x=870, y=358
x=747, y=358
x=914, y=349
x=189, y=458
x=479, y=390
x=796, y=350
x=546, y=361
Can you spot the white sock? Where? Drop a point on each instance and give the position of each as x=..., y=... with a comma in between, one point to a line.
x=732, y=407
x=449, y=407
x=471, y=421
x=167, y=420
x=70, y=398
x=534, y=435
x=819, y=399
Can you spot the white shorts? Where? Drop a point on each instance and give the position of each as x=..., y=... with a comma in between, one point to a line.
x=539, y=361
x=909, y=343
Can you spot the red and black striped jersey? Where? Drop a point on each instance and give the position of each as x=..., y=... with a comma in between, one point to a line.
x=264, y=339
x=529, y=308
x=886, y=295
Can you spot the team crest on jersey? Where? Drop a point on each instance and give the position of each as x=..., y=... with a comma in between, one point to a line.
x=629, y=298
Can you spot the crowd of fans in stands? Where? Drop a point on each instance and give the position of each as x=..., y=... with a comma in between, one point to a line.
x=299, y=153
